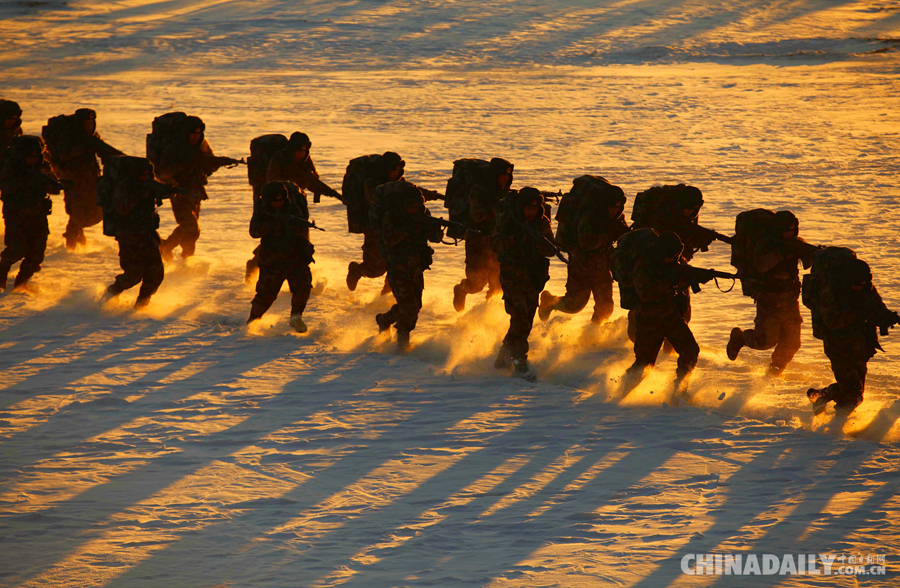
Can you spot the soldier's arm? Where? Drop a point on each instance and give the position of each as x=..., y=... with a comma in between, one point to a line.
x=275, y=169
x=317, y=186
x=262, y=225
x=104, y=149
x=767, y=254
x=480, y=209
x=125, y=200
x=545, y=247
x=431, y=195
x=393, y=232
x=502, y=239
x=435, y=232
x=649, y=288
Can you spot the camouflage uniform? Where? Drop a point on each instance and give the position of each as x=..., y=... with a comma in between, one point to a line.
x=188, y=167
x=850, y=321
x=75, y=159
x=660, y=313
x=589, y=265
x=136, y=224
x=405, y=236
x=285, y=253
x=482, y=265
x=26, y=206
x=776, y=292
x=523, y=272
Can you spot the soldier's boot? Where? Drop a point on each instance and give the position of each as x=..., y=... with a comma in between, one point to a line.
x=548, y=301
x=680, y=385
x=735, y=344
x=504, y=358
x=634, y=375
x=256, y=312
x=667, y=347
x=819, y=400
x=521, y=369
x=252, y=270
x=354, y=273
x=4, y=274
x=775, y=371
x=111, y=292
x=384, y=322
x=491, y=292
x=459, y=298
x=403, y=341
x=297, y=323
x=143, y=301
x=22, y=278
x=166, y=249
x=386, y=289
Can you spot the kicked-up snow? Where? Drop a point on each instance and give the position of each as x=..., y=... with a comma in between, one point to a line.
x=176, y=446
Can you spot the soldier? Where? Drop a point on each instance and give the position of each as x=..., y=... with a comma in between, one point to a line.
x=850, y=309
x=187, y=164
x=598, y=228
x=523, y=272
x=74, y=145
x=11, y=115
x=293, y=164
x=680, y=215
x=135, y=220
x=24, y=185
x=662, y=291
x=776, y=290
x=482, y=266
x=390, y=167
x=285, y=251
x=404, y=238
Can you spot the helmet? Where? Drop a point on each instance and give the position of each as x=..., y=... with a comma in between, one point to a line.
x=274, y=191
x=857, y=272
x=85, y=114
x=392, y=160
x=690, y=197
x=25, y=145
x=668, y=245
x=194, y=124
x=299, y=140
x=9, y=109
x=785, y=221
x=530, y=197
x=613, y=196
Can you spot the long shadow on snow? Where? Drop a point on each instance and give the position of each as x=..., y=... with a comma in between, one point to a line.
x=114, y=496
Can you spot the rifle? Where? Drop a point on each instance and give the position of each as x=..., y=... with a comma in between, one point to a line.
x=289, y=219
x=228, y=162
x=697, y=276
x=539, y=237
x=447, y=224
x=713, y=236
x=552, y=195
x=59, y=184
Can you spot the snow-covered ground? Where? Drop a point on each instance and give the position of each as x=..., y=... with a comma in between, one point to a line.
x=175, y=446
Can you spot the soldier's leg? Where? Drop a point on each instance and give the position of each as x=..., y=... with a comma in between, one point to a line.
x=267, y=287
x=16, y=240
x=186, y=234
x=520, y=301
x=578, y=292
x=788, y=337
x=850, y=373
x=478, y=265
x=154, y=271
x=74, y=232
x=386, y=319
x=300, y=283
x=686, y=311
x=492, y=265
x=252, y=265
x=373, y=265
x=632, y=325
x=36, y=245
x=131, y=260
x=409, y=300
x=682, y=339
x=602, y=290
x=649, y=335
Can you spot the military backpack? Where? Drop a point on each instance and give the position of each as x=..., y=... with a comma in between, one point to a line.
x=353, y=190
x=467, y=173
x=629, y=249
x=650, y=203
x=749, y=226
x=167, y=129
x=118, y=169
x=827, y=267
x=585, y=190
x=59, y=132
x=261, y=151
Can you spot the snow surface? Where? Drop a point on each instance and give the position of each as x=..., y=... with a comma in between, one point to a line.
x=177, y=447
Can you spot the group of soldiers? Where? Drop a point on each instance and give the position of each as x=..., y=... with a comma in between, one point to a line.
x=508, y=243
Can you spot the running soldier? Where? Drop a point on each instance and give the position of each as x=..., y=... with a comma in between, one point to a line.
x=771, y=265
x=598, y=224
x=377, y=170
x=661, y=283
x=282, y=226
x=522, y=242
x=482, y=266
x=847, y=314
x=74, y=146
x=291, y=164
x=135, y=220
x=405, y=234
x=187, y=162
x=25, y=182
